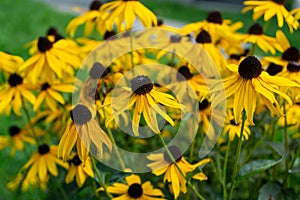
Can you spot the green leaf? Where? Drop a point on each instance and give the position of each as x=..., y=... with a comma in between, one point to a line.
x=117, y=176
x=277, y=147
x=270, y=190
x=256, y=167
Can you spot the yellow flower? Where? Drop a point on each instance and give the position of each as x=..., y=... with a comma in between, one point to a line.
x=91, y=19
x=134, y=189
x=162, y=164
x=83, y=130
x=40, y=165
x=122, y=14
x=269, y=9
x=52, y=60
x=145, y=97
x=79, y=171
x=296, y=12
x=255, y=36
x=50, y=93
x=9, y=63
x=248, y=83
x=13, y=93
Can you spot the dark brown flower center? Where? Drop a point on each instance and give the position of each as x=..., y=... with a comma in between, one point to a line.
x=203, y=104
x=45, y=86
x=183, y=74
x=232, y=122
x=53, y=31
x=76, y=160
x=176, y=153
x=14, y=80
x=141, y=85
x=81, y=115
x=14, y=130
x=293, y=67
x=44, y=44
x=256, y=29
x=175, y=38
x=98, y=71
x=160, y=22
x=109, y=35
x=135, y=190
x=95, y=5
x=274, y=69
x=214, y=17
x=281, y=2
x=203, y=37
x=250, y=68
x=43, y=149
x=291, y=54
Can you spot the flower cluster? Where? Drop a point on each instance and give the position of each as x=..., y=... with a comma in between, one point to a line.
x=83, y=97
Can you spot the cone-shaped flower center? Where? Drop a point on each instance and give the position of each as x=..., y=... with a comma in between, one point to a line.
x=274, y=69
x=176, y=153
x=98, y=71
x=81, y=115
x=135, y=190
x=14, y=130
x=141, y=85
x=109, y=35
x=255, y=29
x=203, y=105
x=293, y=67
x=281, y=2
x=232, y=122
x=250, y=68
x=53, y=31
x=291, y=54
x=43, y=149
x=45, y=86
x=44, y=44
x=95, y=5
x=203, y=37
x=183, y=74
x=14, y=80
x=76, y=160
x=214, y=17
x=175, y=38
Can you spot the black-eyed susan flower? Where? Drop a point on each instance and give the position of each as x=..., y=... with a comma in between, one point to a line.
x=134, y=189
x=234, y=129
x=144, y=97
x=161, y=163
x=296, y=13
x=256, y=36
x=123, y=13
x=79, y=171
x=9, y=63
x=40, y=165
x=248, y=83
x=52, y=60
x=82, y=130
x=269, y=9
x=51, y=94
x=91, y=19
x=14, y=92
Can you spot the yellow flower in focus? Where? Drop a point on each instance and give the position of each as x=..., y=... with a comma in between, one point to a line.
x=269, y=9
x=249, y=82
x=82, y=130
x=123, y=13
x=79, y=171
x=9, y=63
x=134, y=189
x=144, y=97
x=161, y=163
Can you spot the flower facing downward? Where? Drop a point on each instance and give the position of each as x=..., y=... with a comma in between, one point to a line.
x=135, y=190
x=144, y=97
x=83, y=130
x=248, y=83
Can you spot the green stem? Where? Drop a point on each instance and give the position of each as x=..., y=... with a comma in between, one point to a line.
x=238, y=154
x=99, y=177
x=29, y=121
x=181, y=172
x=225, y=170
x=286, y=145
